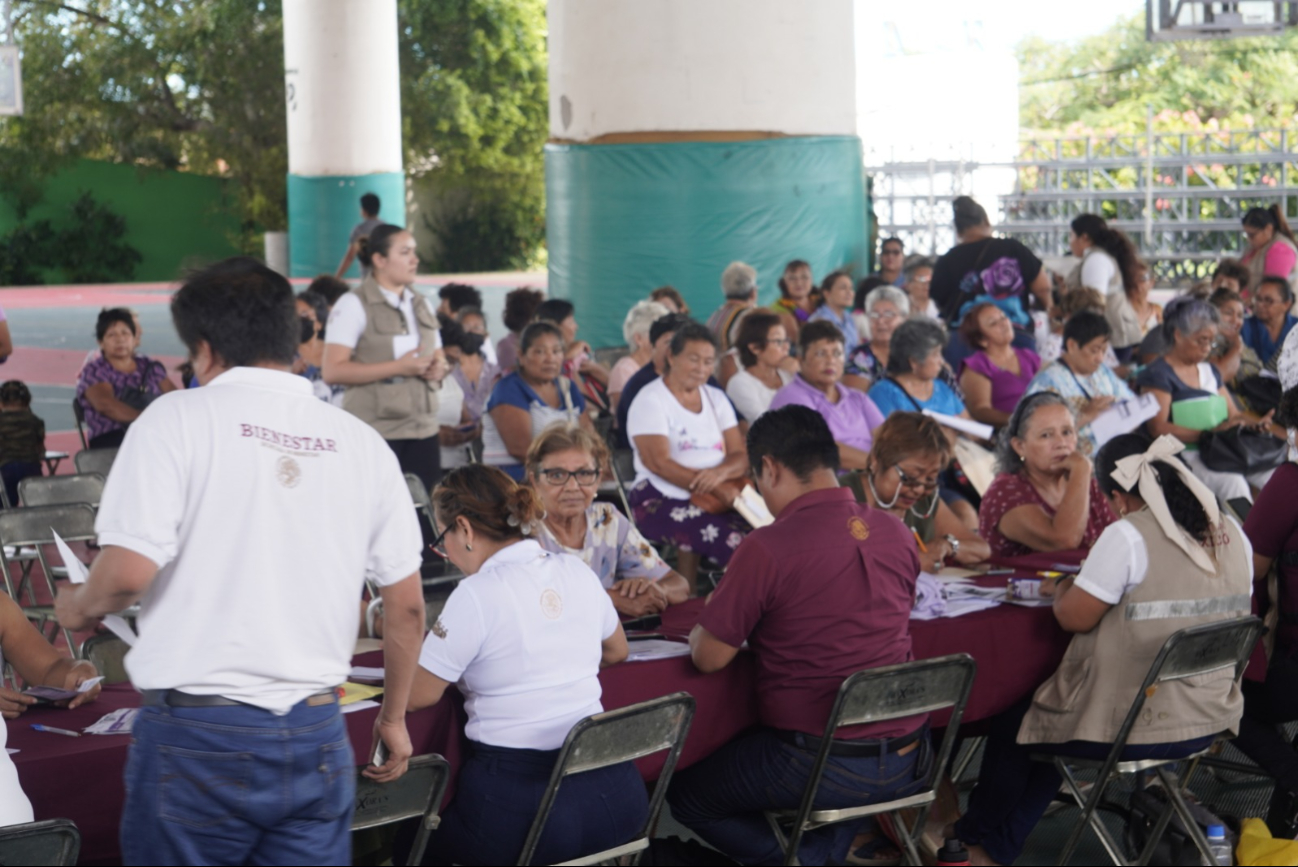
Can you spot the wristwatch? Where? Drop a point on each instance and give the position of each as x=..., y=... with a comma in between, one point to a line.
x=954, y=543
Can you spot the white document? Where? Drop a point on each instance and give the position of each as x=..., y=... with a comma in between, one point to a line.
x=77, y=573
x=404, y=343
x=88, y=685
x=1123, y=417
x=975, y=429
x=656, y=648
x=116, y=722
x=753, y=508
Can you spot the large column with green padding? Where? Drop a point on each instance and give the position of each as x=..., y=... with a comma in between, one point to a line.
x=686, y=135
x=343, y=95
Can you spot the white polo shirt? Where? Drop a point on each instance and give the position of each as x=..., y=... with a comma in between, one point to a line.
x=265, y=510
x=523, y=636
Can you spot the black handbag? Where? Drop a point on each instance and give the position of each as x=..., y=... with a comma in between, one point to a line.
x=1259, y=394
x=1241, y=450
x=139, y=397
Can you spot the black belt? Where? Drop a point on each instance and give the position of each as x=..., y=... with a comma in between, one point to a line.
x=869, y=747
x=176, y=698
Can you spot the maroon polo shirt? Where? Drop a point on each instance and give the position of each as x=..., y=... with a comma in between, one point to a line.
x=822, y=593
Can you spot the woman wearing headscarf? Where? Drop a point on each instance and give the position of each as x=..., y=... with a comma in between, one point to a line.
x=1173, y=561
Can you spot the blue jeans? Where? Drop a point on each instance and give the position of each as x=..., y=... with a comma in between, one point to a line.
x=722, y=798
x=239, y=785
x=498, y=791
x=1013, y=791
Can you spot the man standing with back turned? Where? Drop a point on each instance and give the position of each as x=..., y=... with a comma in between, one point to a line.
x=244, y=516
x=360, y=233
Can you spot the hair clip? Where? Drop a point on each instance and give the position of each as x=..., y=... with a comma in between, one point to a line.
x=512, y=521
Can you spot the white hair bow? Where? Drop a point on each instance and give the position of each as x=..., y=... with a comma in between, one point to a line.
x=1137, y=471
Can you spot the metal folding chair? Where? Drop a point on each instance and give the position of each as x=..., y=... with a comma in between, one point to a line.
x=107, y=653
x=57, y=490
x=35, y=528
x=878, y=695
x=416, y=795
x=53, y=842
x=95, y=461
x=424, y=505
x=79, y=413
x=1195, y=650
x=610, y=738
x=622, y=462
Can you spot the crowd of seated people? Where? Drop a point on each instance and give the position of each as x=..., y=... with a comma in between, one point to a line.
x=828, y=410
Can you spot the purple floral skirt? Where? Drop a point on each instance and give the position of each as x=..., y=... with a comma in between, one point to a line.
x=664, y=519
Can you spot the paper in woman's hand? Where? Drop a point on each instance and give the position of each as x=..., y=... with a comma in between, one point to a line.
x=77, y=574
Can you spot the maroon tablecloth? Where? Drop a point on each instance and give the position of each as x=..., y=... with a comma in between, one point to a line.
x=81, y=778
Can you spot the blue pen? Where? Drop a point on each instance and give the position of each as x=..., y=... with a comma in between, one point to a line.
x=53, y=730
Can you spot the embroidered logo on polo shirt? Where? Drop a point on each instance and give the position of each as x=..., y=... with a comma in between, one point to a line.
x=438, y=629
x=859, y=529
x=551, y=604
x=287, y=472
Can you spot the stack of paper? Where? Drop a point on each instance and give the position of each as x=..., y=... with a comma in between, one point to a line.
x=354, y=692
x=656, y=648
x=116, y=722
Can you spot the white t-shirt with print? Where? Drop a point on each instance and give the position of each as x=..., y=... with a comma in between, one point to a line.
x=523, y=637
x=696, y=439
x=751, y=396
x=265, y=511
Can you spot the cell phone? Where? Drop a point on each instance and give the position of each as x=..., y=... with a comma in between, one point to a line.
x=380, y=757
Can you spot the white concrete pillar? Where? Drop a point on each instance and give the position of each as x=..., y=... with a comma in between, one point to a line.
x=343, y=94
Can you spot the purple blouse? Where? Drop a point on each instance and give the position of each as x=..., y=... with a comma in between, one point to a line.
x=147, y=372
x=852, y=420
x=1007, y=389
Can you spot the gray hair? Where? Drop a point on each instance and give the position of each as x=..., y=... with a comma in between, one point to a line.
x=891, y=294
x=639, y=319
x=738, y=280
x=1008, y=460
x=913, y=264
x=912, y=342
x=1187, y=315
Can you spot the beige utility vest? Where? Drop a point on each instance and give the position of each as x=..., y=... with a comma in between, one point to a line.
x=1091, y=693
x=403, y=407
x=1124, y=325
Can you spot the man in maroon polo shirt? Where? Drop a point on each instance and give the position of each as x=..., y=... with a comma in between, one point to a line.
x=822, y=593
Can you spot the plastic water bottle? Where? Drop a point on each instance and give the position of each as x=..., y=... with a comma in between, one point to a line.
x=1219, y=846
x=954, y=854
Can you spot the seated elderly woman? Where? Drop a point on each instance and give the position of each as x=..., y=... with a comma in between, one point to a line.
x=1172, y=547
x=635, y=330
x=529, y=400
x=689, y=456
x=1080, y=376
x=563, y=467
x=763, y=347
x=1044, y=497
x=851, y=415
x=913, y=380
x=38, y=664
x=995, y=377
x=526, y=628
x=901, y=478
x=579, y=362
x=1190, y=394
x=118, y=385
x=884, y=308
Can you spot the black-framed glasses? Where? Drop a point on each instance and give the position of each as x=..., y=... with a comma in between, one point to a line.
x=437, y=544
x=915, y=483
x=559, y=477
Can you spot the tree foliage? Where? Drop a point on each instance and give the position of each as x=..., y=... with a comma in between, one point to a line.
x=1101, y=84
x=195, y=85
x=474, y=101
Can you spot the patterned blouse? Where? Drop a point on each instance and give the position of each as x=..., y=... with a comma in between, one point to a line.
x=1011, y=490
x=148, y=374
x=614, y=549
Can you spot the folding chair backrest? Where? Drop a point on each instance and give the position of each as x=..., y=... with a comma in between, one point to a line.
x=416, y=795
x=55, y=490
x=37, y=525
x=95, y=461
x=79, y=413
x=614, y=737
x=107, y=653
x=1206, y=648
x=623, y=461
x=419, y=494
x=52, y=842
x=896, y=691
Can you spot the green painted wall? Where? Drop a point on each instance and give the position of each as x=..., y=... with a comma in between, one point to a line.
x=175, y=219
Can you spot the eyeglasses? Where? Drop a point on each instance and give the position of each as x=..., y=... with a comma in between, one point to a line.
x=784, y=342
x=438, y=546
x=558, y=478
x=886, y=316
x=916, y=483
x=822, y=354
